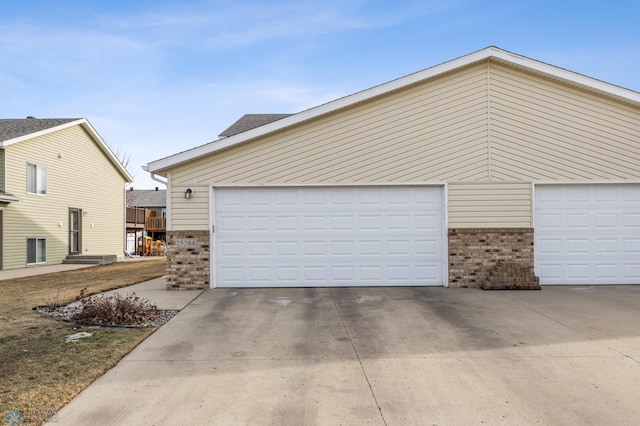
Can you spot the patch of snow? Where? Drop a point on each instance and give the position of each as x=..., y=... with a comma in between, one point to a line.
x=77, y=336
x=363, y=299
x=282, y=301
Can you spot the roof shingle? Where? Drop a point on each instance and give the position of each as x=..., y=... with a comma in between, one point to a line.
x=147, y=198
x=11, y=128
x=251, y=121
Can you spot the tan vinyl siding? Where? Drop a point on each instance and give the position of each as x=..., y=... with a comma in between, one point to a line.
x=192, y=214
x=544, y=130
x=435, y=131
x=489, y=130
x=489, y=205
x=82, y=178
x=367, y=142
x=2, y=171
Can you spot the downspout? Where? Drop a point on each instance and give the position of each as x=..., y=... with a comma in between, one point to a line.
x=124, y=201
x=153, y=176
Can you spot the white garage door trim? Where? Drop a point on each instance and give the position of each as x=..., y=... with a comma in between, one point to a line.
x=443, y=264
x=587, y=232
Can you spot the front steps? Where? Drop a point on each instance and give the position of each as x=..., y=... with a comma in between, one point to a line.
x=85, y=259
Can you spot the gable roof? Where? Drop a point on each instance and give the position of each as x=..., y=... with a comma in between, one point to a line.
x=16, y=130
x=251, y=121
x=492, y=52
x=147, y=198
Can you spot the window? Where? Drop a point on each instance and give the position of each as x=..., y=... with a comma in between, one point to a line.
x=36, y=179
x=36, y=250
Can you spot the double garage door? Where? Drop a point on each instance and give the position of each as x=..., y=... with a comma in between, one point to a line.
x=587, y=234
x=328, y=236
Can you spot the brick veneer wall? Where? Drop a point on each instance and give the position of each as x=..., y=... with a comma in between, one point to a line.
x=188, y=267
x=473, y=252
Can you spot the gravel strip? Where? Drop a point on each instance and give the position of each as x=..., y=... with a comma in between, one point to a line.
x=67, y=312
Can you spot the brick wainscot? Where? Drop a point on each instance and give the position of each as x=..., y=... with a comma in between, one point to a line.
x=474, y=253
x=188, y=256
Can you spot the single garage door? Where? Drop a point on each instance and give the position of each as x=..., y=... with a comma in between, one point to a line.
x=587, y=234
x=328, y=236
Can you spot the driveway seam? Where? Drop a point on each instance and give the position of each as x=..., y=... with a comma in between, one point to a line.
x=572, y=329
x=366, y=377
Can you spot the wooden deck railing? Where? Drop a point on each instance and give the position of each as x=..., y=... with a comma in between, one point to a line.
x=156, y=224
x=135, y=216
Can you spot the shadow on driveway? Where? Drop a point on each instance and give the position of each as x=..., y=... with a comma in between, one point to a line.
x=413, y=355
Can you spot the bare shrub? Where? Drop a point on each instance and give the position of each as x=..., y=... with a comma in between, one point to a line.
x=53, y=300
x=117, y=310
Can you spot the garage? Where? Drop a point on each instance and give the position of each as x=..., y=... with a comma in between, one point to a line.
x=318, y=236
x=490, y=170
x=587, y=234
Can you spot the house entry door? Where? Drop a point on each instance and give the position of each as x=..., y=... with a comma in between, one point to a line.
x=75, y=231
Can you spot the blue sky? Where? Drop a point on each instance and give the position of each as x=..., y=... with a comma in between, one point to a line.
x=156, y=77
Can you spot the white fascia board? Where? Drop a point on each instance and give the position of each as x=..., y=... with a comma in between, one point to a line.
x=481, y=55
x=569, y=76
x=105, y=148
x=314, y=112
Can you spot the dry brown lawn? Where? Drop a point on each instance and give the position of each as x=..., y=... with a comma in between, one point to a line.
x=39, y=372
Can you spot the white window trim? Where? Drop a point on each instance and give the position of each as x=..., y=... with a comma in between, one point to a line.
x=39, y=168
x=46, y=249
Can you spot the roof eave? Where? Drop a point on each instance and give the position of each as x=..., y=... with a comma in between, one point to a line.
x=105, y=148
x=162, y=165
x=8, y=198
x=40, y=133
x=92, y=132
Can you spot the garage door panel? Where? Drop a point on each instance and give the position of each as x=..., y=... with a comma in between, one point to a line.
x=576, y=221
x=631, y=245
x=579, y=246
x=329, y=236
x=606, y=271
x=587, y=234
x=607, y=246
x=631, y=220
x=632, y=270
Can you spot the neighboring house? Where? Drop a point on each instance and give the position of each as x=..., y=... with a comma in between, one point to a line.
x=62, y=192
x=430, y=179
x=146, y=215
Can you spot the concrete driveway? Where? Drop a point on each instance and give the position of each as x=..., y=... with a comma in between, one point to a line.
x=381, y=356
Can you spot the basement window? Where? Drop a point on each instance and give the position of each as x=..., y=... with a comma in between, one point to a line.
x=36, y=251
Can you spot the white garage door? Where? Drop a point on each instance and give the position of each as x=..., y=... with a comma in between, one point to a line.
x=328, y=236
x=587, y=234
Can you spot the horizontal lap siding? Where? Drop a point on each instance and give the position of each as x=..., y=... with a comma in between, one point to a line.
x=191, y=214
x=434, y=131
x=489, y=205
x=543, y=130
x=2, y=170
x=83, y=178
x=489, y=130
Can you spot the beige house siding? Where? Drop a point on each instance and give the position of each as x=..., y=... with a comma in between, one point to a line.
x=488, y=130
x=79, y=175
x=192, y=214
x=544, y=130
x=489, y=205
x=2, y=170
x=378, y=141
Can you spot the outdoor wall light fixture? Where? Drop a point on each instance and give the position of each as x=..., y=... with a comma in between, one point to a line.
x=187, y=193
